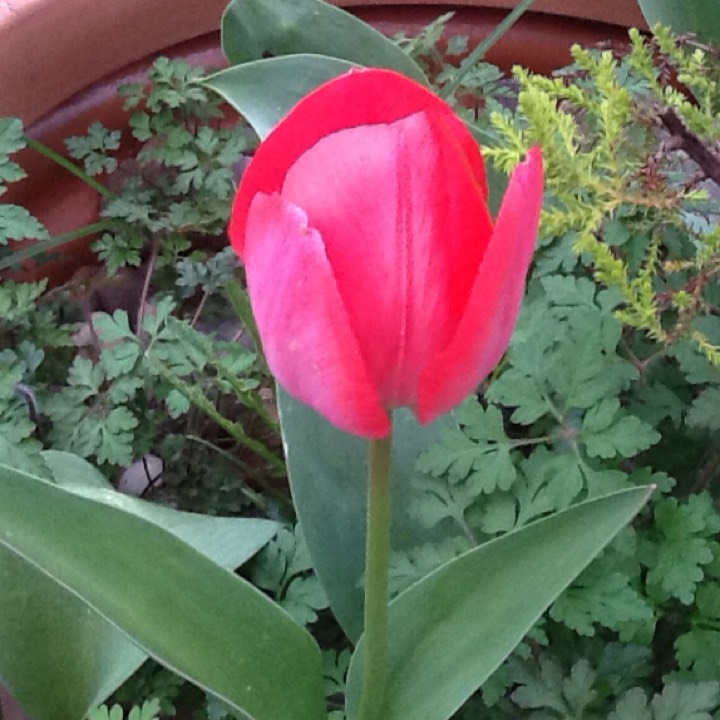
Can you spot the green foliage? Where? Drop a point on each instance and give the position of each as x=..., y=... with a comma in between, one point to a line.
x=483, y=87
x=211, y=275
x=106, y=434
x=16, y=223
x=150, y=710
x=96, y=387
x=151, y=683
x=284, y=569
x=93, y=149
x=634, y=215
x=612, y=378
x=563, y=380
x=548, y=690
x=11, y=140
x=97, y=412
x=179, y=185
x=335, y=668
x=676, y=702
x=605, y=595
x=185, y=179
x=682, y=543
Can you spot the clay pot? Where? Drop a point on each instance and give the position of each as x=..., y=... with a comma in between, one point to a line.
x=61, y=62
x=50, y=50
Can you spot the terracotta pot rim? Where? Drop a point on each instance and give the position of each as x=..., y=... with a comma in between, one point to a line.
x=88, y=39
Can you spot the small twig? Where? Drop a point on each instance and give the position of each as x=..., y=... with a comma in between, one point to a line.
x=706, y=475
x=696, y=149
x=146, y=284
x=88, y=317
x=256, y=498
x=537, y=440
x=200, y=308
x=641, y=365
x=467, y=531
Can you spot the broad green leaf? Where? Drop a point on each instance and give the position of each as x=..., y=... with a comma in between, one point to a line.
x=255, y=29
x=328, y=471
x=91, y=565
x=696, y=16
x=263, y=91
x=451, y=630
x=57, y=657
x=227, y=541
x=71, y=470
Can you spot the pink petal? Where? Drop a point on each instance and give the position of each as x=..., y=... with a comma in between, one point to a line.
x=487, y=324
x=303, y=324
x=405, y=226
x=361, y=97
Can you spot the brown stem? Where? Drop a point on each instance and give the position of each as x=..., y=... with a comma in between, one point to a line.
x=200, y=307
x=696, y=149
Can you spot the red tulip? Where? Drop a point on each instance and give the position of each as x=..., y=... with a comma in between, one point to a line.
x=376, y=274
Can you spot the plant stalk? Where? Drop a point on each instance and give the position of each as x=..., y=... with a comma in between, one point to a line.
x=483, y=47
x=49, y=244
x=69, y=166
x=376, y=579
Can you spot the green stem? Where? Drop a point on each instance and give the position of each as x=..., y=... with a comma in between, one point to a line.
x=71, y=167
x=482, y=48
x=196, y=396
x=245, y=397
x=42, y=246
x=240, y=301
x=376, y=579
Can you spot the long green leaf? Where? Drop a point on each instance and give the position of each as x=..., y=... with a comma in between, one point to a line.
x=328, y=477
x=451, y=630
x=57, y=658
x=72, y=658
x=227, y=541
x=255, y=29
x=179, y=606
x=264, y=90
x=701, y=17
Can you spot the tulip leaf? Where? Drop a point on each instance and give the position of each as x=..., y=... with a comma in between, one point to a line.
x=255, y=29
x=227, y=541
x=689, y=16
x=91, y=570
x=451, y=630
x=328, y=478
x=264, y=91
x=72, y=659
x=80, y=658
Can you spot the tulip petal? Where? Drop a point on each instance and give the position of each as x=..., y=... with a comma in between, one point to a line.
x=487, y=324
x=405, y=226
x=360, y=97
x=306, y=335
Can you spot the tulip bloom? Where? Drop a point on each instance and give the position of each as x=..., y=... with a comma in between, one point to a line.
x=376, y=274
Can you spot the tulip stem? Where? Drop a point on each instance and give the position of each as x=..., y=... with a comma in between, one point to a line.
x=376, y=579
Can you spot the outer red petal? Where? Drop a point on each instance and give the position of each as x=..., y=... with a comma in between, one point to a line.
x=485, y=329
x=360, y=97
x=405, y=226
x=303, y=324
